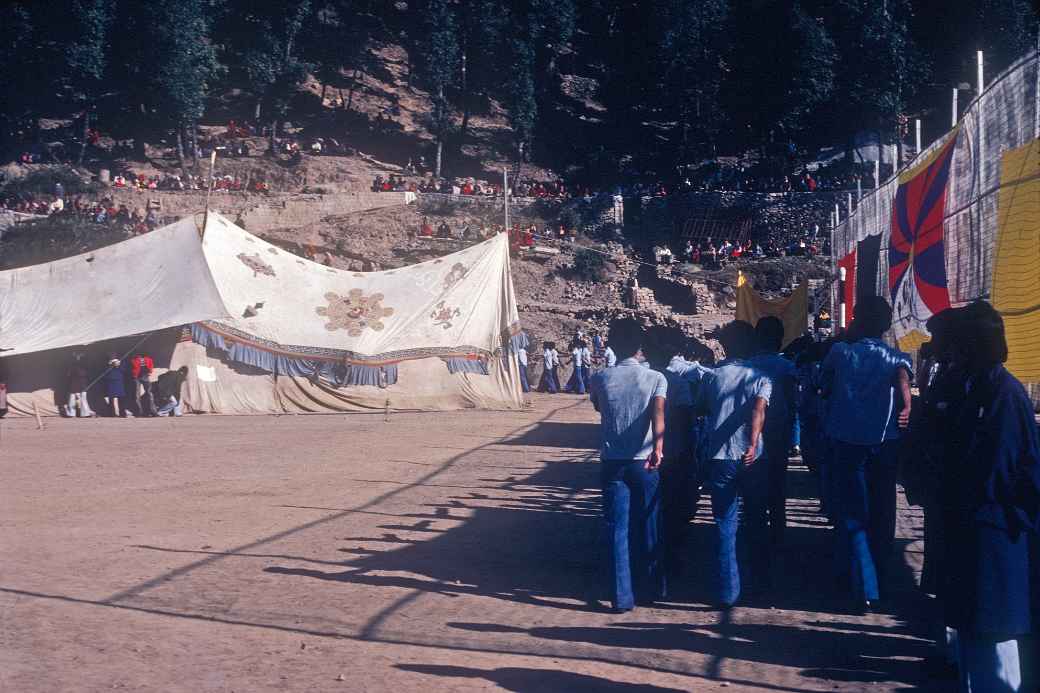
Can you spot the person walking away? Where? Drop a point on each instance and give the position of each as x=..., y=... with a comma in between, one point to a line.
x=734, y=398
x=609, y=357
x=769, y=334
x=114, y=382
x=679, y=493
x=78, y=378
x=580, y=358
x=141, y=367
x=550, y=369
x=521, y=359
x=631, y=403
x=941, y=382
x=867, y=384
x=990, y=503
x=168, y=391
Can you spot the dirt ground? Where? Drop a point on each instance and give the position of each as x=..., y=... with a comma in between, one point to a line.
x=454, y=552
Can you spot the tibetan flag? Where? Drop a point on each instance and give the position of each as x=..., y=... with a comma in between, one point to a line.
x=917, y=252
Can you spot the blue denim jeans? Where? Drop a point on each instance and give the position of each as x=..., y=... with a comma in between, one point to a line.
x=577, y=382
x=865, y=486
x=728, y=481
x=524, y=384
x=631, y=502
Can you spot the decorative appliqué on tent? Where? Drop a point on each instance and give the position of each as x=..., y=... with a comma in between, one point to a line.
x=354, y=312
x=443, y=314
x=458, y=273
x=255, y=263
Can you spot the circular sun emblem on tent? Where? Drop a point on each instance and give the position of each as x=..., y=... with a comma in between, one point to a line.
x=354, y=312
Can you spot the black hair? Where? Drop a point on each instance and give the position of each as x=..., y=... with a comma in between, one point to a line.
x=873, y=317
x=769, y=332
x=979, y=333
x=626, y=337
x=738, y=339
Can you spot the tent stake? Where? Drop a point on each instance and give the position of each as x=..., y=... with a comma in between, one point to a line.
x=386, y=411
x=39, y=421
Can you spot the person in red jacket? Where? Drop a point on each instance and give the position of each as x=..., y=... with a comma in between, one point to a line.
x=141, y=367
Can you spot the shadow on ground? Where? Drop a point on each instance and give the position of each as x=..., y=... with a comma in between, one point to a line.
x=536, y=539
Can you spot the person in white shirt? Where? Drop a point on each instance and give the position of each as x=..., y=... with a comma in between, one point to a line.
x=581, y=358
x=521, y=357
x=609, y=357
x=550, y=364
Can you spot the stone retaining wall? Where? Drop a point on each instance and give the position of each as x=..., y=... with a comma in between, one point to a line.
x=260, y=213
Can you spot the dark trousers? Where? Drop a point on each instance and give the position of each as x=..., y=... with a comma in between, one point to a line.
x=679, y=496
x=524, y=384
x=550, y=382
x=631, y=504
x=777, y=459
x=143, y=401
x=865, y=481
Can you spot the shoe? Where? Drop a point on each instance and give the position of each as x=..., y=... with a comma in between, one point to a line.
x=865, y=607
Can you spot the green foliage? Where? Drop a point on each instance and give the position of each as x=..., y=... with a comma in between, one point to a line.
x=589, y=265
x=184, y=61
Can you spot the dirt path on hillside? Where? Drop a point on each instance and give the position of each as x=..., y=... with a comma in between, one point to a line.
x=453, y=552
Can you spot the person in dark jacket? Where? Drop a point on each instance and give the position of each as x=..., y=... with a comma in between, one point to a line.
x=168, y=391
x=114, y=381
x=990, y=502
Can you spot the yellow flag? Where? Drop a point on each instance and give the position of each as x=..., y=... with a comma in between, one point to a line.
x=793, y=311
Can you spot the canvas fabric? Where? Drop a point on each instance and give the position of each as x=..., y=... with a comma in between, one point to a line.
x=265, y=331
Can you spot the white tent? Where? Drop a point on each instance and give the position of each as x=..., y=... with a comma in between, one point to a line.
x=263, y=330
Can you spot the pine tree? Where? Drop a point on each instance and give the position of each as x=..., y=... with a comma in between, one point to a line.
x=87, y=55
x=183, y=61
x=440, y=61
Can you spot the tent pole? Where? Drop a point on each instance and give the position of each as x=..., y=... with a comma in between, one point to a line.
x=505, y=195
x=209, y=191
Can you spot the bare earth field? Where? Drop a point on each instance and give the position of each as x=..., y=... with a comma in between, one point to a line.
x=434, y=552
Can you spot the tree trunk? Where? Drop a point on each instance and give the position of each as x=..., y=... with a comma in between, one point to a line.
x=194, y=143
x=256, y=113
x=180, y=145
x=274, y=134
x=439, y=114
x=86, y=129
x=350, y=94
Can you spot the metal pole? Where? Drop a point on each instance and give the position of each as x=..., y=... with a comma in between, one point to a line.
x=877, y=175
x=505, y=195
x=848, y=203
x=953, y=110
x=896, y=163
x=859, y=189
x=841, y=298
x=917, y=135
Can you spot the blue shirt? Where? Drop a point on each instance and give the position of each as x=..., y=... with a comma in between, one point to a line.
x=861, y=380
x=781, y=374
x=728, y=395
x=624, y=397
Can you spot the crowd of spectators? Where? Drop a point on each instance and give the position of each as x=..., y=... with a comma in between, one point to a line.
x=226, y=183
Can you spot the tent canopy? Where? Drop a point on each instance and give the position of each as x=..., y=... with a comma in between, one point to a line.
x=258, y=314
